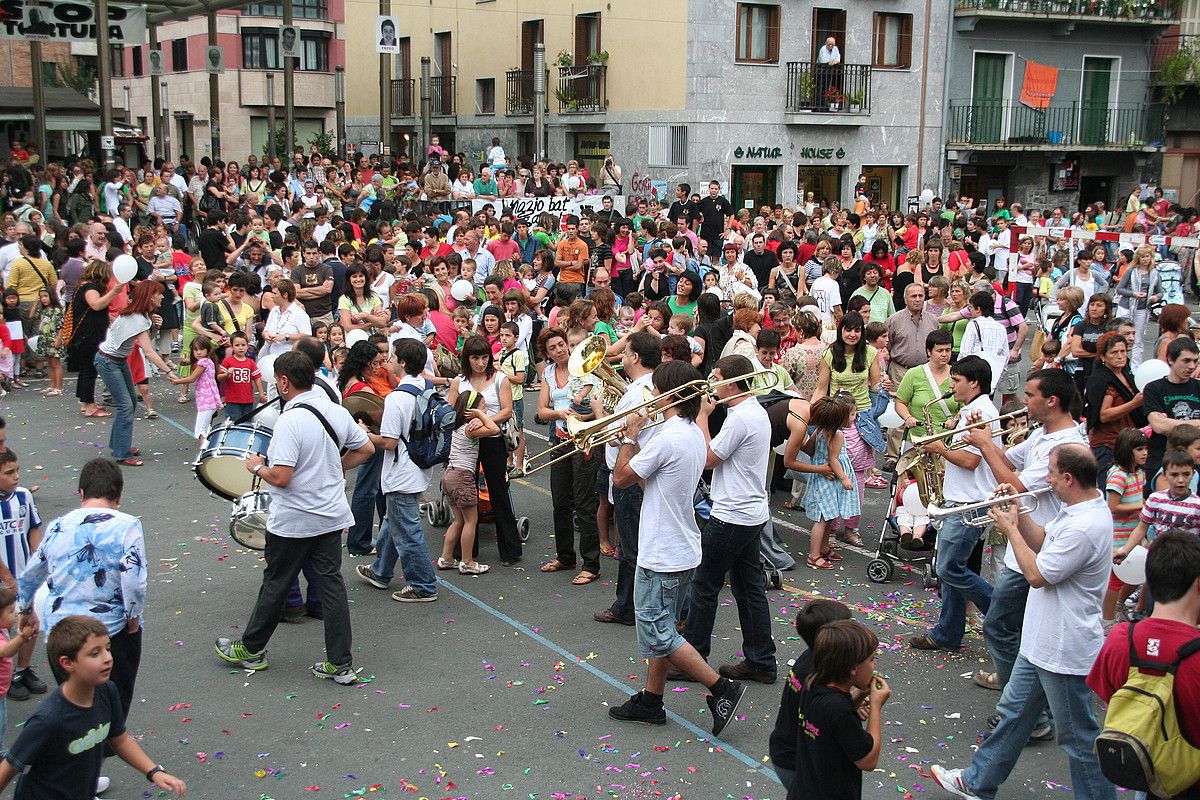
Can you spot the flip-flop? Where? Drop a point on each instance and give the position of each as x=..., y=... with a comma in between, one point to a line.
x=555, y=566
x=131, y=462
x=99, y=413
x=134, y=451
x=584, y=578
x=608, y=551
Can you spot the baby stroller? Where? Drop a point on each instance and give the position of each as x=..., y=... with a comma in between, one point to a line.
x=438, y=514
x=890, y=553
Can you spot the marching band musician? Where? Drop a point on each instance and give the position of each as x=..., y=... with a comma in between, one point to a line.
x=1051, y=399
x=642, y=354
x=668, y=469
x=968, y=480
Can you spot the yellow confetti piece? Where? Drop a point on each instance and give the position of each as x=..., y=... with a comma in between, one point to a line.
x=260, y=773
x=452, y=744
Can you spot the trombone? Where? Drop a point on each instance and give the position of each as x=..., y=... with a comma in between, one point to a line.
x=917, y=441
x=583, y=435
x=975, y=515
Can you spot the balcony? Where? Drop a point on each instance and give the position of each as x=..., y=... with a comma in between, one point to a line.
x=441, y=96
x=999, y=125
x=1159, y=12
x=582, y=89
x=828, y=94
x=519, y=85
x=1175, y=61
x=402, y=97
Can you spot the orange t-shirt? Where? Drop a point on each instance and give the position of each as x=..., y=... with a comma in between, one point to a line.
x=571, y=251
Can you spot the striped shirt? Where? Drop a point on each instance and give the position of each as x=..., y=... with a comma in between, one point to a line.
x=1163, y=512
x=18, y=516
x=1128, y=486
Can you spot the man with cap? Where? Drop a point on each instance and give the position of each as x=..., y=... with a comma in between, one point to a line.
x=436, y=184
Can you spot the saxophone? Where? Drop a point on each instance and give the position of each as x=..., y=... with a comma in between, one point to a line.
x=925, y=469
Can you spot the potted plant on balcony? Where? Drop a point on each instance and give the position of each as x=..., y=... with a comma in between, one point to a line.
x=835, y=98
x=564, y=59
x=856, y=99
x=808, y=91
x=566, y=100
x=599, y=59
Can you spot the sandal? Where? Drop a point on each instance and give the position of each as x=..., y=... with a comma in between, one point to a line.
x=54, y=393
x=556, y=566
x=820, y=563
x=876, y=482
x=131, y=462
x=607, y=550
x=988, y=680
x=790, y=504
x=135, y=451
x=852, y=538
x=478, y=568
x=832, y=555
x=584, y=578
x=447, y=564
x=100, y=412
x=181, y=399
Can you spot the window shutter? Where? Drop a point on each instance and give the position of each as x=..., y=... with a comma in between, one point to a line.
x=773, y=34
x=906, y=35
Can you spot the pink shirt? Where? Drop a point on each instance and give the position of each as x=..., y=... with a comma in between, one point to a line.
x=6, y=668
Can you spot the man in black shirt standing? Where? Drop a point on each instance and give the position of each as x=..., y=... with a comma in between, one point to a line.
x=760, y=260
x=214, y=242
x=1172, y=400
x=683, y=205
x=713, y=211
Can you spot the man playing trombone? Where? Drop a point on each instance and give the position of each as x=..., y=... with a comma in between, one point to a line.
x=1051, y=399
x=968, y=480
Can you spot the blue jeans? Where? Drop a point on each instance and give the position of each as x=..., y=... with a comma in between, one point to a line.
x=960, y=585
x=1025, y=697
x=366, y=502
x=731, y=549
x=627, y=506
x=235, y=411
x=1005, y=616
x=119, y=382
x=659, y=599
x=402, y=537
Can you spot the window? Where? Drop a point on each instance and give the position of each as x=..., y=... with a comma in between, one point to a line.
x=668, y=146
x=587, y=36
x=260, y=50
x=485, y=96
x=118, y=61
x=179, y=58
x=137, y=61
x=301, y=9
x=892, y=41
x=757, y=33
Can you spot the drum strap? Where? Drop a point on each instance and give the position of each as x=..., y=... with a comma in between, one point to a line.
x=325, y=424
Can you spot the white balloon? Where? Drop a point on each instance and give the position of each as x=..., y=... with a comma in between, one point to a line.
x=124, y=268
x=355, y=336
x=266, y=368
x=462, y=289
x=889, y=418
x=1150, y=371
x=910, y=500
x=1133, y=569
x=41, y=603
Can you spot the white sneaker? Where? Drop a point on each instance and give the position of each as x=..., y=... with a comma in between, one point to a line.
x=102, y=784
x=952, y=781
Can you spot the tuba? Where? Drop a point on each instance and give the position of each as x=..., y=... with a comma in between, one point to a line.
x=588, y=359
x=925, y=469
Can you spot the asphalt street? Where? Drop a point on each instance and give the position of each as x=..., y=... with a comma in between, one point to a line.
x=498, y=690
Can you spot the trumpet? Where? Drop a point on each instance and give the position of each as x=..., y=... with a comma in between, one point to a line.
x=975, y=515
x=583, y=435
x=917, y=441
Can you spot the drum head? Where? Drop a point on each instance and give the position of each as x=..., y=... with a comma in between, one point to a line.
x=225, y=475
x=250, y=531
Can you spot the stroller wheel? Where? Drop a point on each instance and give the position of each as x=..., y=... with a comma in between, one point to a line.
x=445, y=514
x=773, y=578
x=929, y=580
x=431, y=513
x=879, y=570
x=523, y=529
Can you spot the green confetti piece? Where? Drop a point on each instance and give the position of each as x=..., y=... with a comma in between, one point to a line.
x=290, y=697
x=541, y=702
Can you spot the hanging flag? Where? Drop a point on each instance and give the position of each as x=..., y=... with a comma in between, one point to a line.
x=1039, y=85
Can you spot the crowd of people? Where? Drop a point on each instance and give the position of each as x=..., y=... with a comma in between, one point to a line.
x=320, y=280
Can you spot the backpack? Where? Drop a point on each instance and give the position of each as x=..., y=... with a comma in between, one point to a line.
x=428, y=440
x=1141, y=747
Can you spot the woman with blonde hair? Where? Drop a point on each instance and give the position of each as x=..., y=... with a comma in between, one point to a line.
x=1137, y=290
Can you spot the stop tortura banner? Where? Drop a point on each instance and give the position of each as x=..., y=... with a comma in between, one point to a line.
x=64, y=21
x=530, y=208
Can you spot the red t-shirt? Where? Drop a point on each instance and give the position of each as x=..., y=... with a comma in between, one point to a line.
x=239, y=379
x=441, y=249
x=1111, y=669
x=505, y=251
x=805, y=253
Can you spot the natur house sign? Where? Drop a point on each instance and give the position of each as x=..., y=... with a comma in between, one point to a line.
x=815, y=153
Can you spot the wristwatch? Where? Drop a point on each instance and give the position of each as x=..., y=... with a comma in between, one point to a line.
x=157, y=768
x=624, y=440
x=257, y=468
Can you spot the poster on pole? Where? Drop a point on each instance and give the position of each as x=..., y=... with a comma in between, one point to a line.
x=155, y=58
x=385, y=32
x=59, y=21
x=289, y=41
x=530, y=209
x=214, y=59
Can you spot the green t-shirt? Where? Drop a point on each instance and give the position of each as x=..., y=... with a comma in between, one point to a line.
x=915, y=391
x=607, y=329
x=488, y=188
x=882, y=305
x=689, y=309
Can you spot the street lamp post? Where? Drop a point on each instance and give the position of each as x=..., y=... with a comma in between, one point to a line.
x=166, y=122
x=270, y=115
x=339, y=99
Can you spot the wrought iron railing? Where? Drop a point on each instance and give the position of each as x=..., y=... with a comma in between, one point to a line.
x=1061, y=125
x=833, y=88
x=519, y=91
x=441, y=96
x=582, y=88
x=1145, y=10
x=402, y=97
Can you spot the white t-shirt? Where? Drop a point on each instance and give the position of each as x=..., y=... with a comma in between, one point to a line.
x=964, y=485
x=382, y=287
x=112, y=197
x=314, y=502
x=1061, y=632
x=496, y=157
x=670, y=465
x=828, y=294
x=635, y=393
x=739, y=493
x=8, y=254
x=986, y=338
x=1032, y=460
x=400, y=474
x=122, y=331
x=409, y=332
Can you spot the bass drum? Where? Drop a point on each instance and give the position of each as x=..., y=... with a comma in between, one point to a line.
x=248, y=527
x=221, y=465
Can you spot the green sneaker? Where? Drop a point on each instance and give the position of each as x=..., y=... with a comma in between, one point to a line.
x=346, y=676
x=236, y=653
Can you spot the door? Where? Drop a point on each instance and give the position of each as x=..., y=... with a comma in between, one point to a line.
x=755, y=184
x=1095, y=189
x=987, y=98
x=985, y=184
x=443, y=67
x=187, y=135
x=587, y=36
x=1094, y=100
x=829, y=22
x=531, y=34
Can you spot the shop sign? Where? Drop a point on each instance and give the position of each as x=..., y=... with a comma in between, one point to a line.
x=758, y=152
x=822, y=153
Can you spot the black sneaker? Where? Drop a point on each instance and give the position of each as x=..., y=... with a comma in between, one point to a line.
x=32, y=682
x=17, y=689
x=743, y=671
x=634, y=710
x=725, y=705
